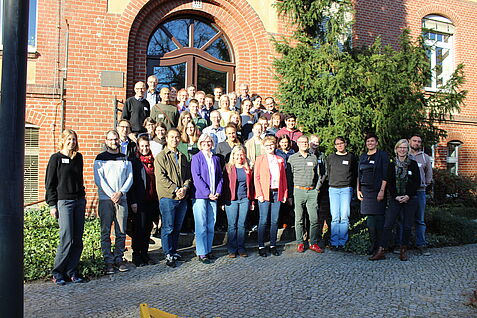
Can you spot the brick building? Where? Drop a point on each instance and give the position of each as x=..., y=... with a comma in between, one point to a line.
x=84, y=54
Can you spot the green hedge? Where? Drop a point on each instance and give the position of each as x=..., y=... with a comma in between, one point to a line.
x=446, y=226
x=41, y=240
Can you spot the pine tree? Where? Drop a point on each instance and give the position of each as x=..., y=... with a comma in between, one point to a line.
x=337, y=90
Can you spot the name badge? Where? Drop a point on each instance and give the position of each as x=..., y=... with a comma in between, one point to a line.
x=161, y=116
x=249, y=122
x=409, y=172
x=65, y=160
x=345, y=162
x=319, y=160
x=371, y=162
x=145, y=108
x=419, y=165
x=309, y=164
x=189, y=148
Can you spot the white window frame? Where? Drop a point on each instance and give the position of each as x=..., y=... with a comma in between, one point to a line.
x=442, y=26
x=453, y=160
x=31, y=48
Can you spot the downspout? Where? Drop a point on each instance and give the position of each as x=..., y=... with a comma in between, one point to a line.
x=64, y=77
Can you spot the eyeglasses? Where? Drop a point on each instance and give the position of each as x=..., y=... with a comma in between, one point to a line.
x=123, y=126
x=112, y=139
x=339, y=143
x=269, y=145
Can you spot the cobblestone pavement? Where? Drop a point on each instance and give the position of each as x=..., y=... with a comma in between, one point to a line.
x=333, y=284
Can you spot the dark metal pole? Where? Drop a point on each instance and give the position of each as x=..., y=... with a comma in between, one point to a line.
x=12, y=121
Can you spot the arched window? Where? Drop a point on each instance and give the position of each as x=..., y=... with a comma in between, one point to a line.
x=186, y=51
x=439, y=36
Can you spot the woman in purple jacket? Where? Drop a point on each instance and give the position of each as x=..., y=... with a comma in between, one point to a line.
x=207, y=176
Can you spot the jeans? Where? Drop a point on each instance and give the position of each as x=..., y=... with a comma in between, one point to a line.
x=308, y=198
x=71, y=222
x=408, y=212
x=268, y=209
x=173, y=212
x=419, y=222
x=205, y=212
x=420, y=225
x=236, y=215
x=110, y=212
x=340, y=200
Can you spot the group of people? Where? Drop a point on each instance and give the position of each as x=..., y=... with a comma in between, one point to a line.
x=228, y=152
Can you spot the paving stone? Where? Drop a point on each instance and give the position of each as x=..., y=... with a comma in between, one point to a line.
x=332, y=284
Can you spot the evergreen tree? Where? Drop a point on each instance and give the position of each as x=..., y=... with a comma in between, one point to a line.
x=335, y=89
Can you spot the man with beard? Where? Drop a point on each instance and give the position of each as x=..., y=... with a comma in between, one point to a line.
x=173, y=181
x=424, y=162
x=113, y=177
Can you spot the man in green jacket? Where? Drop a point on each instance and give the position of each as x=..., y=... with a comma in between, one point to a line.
x=173, y=181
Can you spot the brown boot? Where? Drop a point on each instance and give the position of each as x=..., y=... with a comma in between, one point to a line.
x=378, y=255
x=403, y=253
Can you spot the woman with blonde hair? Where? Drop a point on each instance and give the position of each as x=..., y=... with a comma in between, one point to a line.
x=189, y=138
x=65, y=196
x=237, y=121
x=238, y=196
x=403, y=181
x=224, y=110
x=184, y=118
x=270, y=190
x=207, y=177
x=254, y=145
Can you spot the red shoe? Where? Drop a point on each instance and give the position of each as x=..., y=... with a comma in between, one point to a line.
x=316, y=248
x=300, y=248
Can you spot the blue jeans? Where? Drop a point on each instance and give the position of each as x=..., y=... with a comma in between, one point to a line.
x=173, y=212
x=269, y=209
x=71, y=222
x=419, y=222
x=236, y=215
x=420, y=225
x=205, y=213
x=340, y=200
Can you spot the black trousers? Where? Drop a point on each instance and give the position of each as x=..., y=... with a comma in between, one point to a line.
x=143, y=227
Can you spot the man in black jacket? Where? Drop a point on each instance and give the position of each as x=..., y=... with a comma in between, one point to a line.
x=137, y=108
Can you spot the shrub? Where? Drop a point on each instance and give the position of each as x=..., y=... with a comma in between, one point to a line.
x=450, y=189
x=41, y=240
x=358, y=237
x=457, y=229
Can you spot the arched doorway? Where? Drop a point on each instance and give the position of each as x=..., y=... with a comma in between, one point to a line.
x=185, y=50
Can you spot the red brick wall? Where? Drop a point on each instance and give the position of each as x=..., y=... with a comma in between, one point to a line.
x=387, y=18
x=99, y=41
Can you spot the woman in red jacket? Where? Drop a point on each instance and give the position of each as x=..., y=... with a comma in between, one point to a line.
x=238, y=194
x=270, y=190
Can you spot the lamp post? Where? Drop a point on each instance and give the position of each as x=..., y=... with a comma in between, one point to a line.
x=12, y=121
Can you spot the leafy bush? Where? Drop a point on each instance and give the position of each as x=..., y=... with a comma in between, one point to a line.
x=41, y=240
x=457, y=229
x=358, y=241
x=449, y=188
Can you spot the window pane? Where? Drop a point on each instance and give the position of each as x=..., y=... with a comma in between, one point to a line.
x=207, y=79
x=180, y=30
x=202, y=33
x=173, y=75
x=219, y=49
x=32, y=24
x=160, y=44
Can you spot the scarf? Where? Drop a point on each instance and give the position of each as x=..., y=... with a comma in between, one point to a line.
x=148, y=162
x=401, y=168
